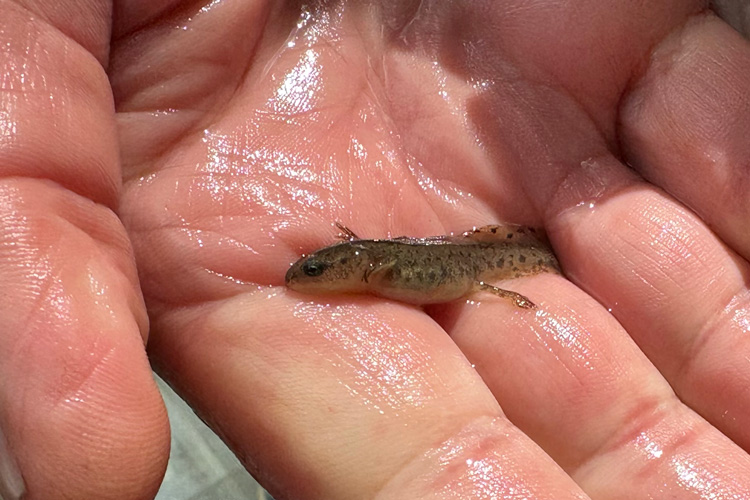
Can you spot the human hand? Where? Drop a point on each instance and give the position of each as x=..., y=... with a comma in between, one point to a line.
x=242, y=144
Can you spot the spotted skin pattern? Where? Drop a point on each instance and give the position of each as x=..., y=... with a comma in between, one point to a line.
x=430, y=270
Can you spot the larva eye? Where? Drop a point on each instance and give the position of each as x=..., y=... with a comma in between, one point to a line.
x=312, y=268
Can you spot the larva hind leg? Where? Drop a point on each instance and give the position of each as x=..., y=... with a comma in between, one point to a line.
x=518, y=299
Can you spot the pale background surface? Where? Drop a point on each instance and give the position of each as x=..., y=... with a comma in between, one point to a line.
x=202, y=468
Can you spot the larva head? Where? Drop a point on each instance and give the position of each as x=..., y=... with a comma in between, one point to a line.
x=336, y=269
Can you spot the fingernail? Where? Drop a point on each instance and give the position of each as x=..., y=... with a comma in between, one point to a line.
x=12, y=486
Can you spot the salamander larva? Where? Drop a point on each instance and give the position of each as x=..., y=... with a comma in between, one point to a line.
x=429, y=270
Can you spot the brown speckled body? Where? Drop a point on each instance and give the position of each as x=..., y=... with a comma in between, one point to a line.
x=425, y=270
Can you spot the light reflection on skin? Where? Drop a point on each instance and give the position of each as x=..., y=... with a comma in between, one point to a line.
x=14, y=82
x=231, y=163
x=470, y=464
x=298, y=92
x=674, y=240
x=301, y=87
x=696, y=479
x=442, y=191
x=100, y=292
x=652, y=450
x=270, y=178
x=664, y=461
x=228, y=174
x=741, y=318
x=8, y=126
x=383, y=365
x=567, y=335
x=211, y=5
x=57, y=301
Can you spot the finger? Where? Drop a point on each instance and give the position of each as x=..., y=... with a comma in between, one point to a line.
x=562, y=163
x=637, y=251
x=681, y=295
x=81, y=416
x=572, y=379
x=686, y=125
x=675, y=278
x=348, y=399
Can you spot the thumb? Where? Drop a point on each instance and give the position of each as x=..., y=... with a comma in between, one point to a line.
x=80, y=415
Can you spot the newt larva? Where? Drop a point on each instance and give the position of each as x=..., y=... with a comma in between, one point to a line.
x=429, y=270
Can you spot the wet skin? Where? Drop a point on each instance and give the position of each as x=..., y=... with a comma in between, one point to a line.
x=241, y=129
